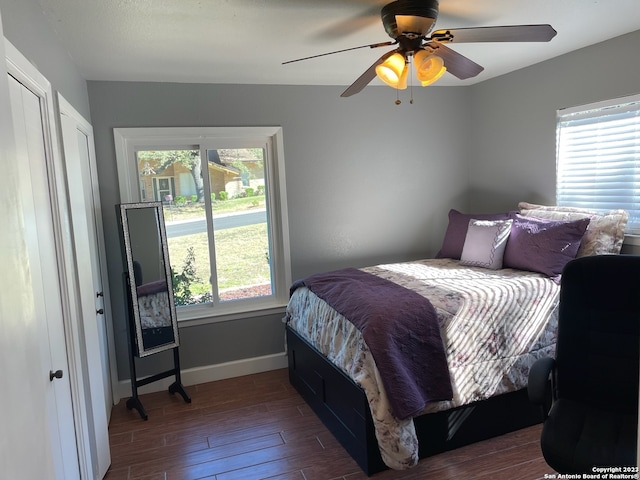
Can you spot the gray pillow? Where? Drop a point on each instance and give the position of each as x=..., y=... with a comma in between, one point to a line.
x=485, y=243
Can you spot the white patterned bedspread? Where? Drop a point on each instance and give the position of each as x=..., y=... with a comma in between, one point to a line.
x=494, y=323
x=154, y=310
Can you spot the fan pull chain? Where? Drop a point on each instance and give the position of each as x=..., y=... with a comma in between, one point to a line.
x=398, y=101
x=411, y=80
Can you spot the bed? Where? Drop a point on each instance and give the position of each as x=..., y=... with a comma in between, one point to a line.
x=494, y=306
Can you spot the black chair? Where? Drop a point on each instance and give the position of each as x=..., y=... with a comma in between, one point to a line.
x=593, y=419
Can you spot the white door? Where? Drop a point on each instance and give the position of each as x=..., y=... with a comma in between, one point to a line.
x=79, y=159
x=43, y=261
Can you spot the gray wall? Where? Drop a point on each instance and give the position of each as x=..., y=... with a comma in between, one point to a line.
x=367, y=181
x=26, y=27
x=513, y=135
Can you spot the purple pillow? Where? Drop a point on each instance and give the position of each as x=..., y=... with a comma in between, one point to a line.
x=456, y=233
x=543, y=246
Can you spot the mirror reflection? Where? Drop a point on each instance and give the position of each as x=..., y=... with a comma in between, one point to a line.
x=147, y=260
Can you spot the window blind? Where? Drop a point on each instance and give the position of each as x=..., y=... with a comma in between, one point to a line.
x=598, y=158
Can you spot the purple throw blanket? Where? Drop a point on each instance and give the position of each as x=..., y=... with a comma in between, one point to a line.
x=150, y=288
x=401, y=329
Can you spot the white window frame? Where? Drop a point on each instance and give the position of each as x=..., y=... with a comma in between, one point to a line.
x=128, y=141
x=616, y=166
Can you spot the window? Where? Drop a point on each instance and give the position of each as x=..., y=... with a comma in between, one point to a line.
x=224, y=202
x=598, y=157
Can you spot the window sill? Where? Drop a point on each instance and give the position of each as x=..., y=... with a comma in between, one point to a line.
x=204, y=316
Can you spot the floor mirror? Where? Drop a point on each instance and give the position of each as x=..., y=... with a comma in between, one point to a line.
x=153, y=320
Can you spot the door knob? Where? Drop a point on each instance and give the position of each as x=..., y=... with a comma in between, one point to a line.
x=56, y=374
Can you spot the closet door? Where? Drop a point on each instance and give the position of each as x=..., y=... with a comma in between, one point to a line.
x=45, y=277
x=84, y=201
x=57, y=242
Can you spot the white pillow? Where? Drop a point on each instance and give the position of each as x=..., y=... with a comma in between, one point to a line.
x=485, y=243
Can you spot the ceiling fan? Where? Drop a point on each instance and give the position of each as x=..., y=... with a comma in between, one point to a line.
x=409, y=23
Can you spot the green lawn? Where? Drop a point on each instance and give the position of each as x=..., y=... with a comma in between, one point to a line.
x=241, y=255
x=241, y=252
x=173, y=213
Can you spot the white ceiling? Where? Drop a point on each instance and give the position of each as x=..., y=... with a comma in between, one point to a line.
x=246, y=41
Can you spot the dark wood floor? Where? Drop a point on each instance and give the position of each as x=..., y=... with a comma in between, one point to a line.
x=258, y=427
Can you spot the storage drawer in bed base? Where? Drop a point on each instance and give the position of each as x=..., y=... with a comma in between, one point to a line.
x=342, y=406
x=336, y=399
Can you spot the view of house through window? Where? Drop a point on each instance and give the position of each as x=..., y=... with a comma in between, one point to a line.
x=215, y=212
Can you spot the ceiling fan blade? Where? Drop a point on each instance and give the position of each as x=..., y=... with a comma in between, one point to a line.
x=458, y=65
x=364, y=79
x=373, y=45
x=507, y=33
x=348, y=26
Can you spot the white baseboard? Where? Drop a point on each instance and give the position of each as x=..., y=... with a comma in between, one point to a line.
x=211, y=373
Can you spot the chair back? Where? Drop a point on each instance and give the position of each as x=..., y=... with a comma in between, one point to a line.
x=598, y=343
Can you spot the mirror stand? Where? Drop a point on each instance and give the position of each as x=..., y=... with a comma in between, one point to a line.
x=151, y=311
x=176, y=387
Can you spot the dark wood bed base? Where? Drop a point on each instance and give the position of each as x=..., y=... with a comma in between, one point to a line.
x=342, y=406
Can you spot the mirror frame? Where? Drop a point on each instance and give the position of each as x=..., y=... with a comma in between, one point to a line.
x=134, y=314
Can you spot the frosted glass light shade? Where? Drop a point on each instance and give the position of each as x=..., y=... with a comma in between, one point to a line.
x=402, y=83
x=391, y=70
x=429, y=67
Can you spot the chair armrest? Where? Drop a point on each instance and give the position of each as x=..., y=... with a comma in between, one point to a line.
x=538, y=386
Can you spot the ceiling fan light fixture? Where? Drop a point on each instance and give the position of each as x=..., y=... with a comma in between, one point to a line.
x=404, y=17
x=392, y=69
x=402, y=83
x=429, y=67
x=411, y=24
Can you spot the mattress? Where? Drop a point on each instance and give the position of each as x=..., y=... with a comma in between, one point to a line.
x=494, y=325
